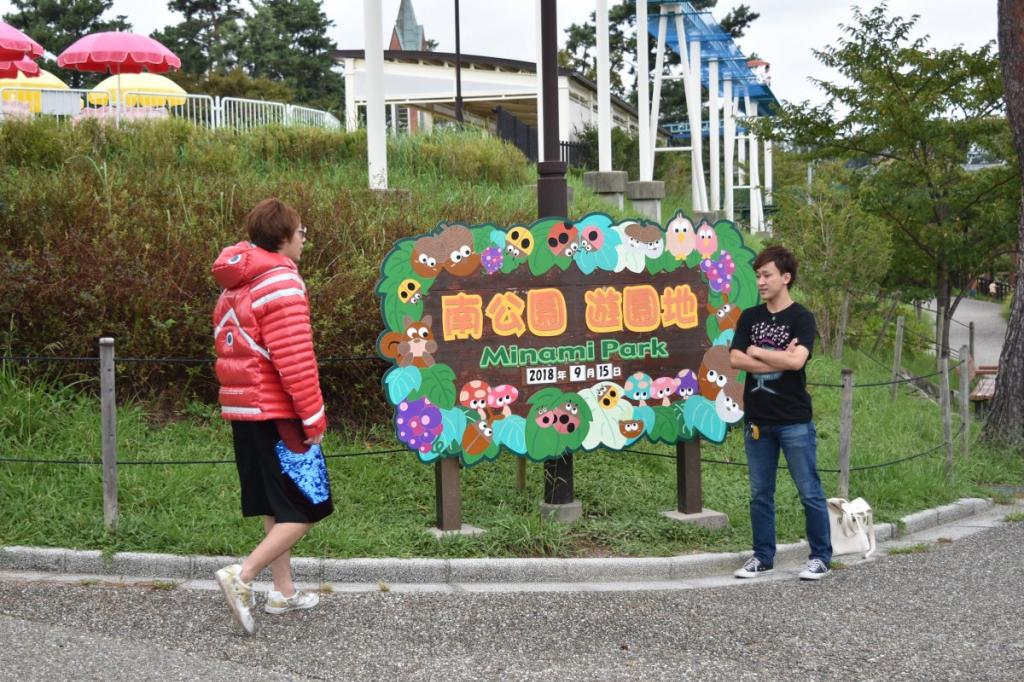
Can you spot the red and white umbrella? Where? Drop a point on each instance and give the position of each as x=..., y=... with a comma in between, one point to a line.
x=118, y=52
x=24, y=66
x=14, y=44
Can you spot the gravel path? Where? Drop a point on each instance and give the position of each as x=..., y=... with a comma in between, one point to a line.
x=951, y=612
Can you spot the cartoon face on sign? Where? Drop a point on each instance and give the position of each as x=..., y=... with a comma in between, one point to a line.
x=457, y=247
x=562, y=336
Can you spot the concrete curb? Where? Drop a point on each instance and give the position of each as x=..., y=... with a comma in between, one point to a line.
x=442, y=571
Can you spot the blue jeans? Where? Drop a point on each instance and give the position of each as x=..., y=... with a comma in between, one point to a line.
x=799, y=443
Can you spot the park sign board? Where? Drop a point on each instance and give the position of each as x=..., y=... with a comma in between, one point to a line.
x=563, y=335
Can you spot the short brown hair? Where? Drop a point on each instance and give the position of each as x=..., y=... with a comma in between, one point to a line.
x=270, y=223
x=783, y=258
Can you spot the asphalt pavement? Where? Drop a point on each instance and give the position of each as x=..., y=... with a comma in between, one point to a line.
x=989, y=329
x=943, y=603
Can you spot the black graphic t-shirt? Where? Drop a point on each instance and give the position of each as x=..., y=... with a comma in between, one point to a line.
x=776, y=397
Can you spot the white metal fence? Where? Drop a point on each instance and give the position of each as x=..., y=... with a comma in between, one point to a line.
x=201, y=110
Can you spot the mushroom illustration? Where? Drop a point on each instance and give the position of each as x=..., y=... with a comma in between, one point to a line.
x=663, y=387
x=688, y=386
x=474, y=396
x=500, y=397
x=638, y=387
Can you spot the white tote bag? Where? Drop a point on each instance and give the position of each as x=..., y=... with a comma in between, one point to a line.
x=852, y=525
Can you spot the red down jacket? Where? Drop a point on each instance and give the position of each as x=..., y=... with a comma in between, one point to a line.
x=265, y=360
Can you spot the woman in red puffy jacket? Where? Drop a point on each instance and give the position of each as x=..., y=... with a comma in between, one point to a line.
x=270, y=391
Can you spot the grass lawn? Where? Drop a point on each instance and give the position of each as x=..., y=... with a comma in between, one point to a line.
x=384, y=502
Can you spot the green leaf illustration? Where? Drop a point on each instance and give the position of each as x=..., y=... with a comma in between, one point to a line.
x=700, y=415
x=401, y=381
x=666, y=425
x=438, y=386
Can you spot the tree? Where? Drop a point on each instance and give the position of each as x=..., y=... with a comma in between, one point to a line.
x=580, y=53
x=843, y=251
x=911, y=114
x=287, y=40
x=234, y=83
x=56, y=24
x=209, y=37
x=1005, y=421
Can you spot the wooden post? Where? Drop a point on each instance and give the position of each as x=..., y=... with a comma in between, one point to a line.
x=965, y=402
x=108, y=433
x=947, y=417
x=689, y=497
x=897, y=356
x=520, y=474
x=971, y=339
x=552, y=201
x=845, y=433
x=940, y=323
x=844, y=315
x=447, y=493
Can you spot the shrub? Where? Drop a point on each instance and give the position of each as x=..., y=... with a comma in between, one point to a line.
x=112, y=232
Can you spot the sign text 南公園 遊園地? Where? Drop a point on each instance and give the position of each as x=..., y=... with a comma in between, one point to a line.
x=562, y=336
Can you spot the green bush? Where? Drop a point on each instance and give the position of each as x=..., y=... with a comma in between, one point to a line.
x=112, y=232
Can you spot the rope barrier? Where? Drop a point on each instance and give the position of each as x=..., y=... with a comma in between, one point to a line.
x=952, y=319
x=165, y=361
x=864, y=467
x=338, y=455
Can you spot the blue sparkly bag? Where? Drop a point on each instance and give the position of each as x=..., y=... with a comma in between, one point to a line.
x=307, y=470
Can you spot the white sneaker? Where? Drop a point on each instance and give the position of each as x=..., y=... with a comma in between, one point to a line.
x=816, y=570
x=238, y=595
x=277, y=603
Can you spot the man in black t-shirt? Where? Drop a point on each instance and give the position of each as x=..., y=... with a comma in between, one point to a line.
x=772, y=344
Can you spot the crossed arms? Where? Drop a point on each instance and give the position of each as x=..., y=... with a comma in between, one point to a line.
x=762, y=360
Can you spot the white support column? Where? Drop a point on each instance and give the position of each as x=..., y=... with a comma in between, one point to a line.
x=716, y=204
x=741, y=150
x=540, y=85
x=697, y=131
x=756, y=207
x=643, y=89
x=428, y=121
x=394, y=119
x=730, y=144
x=659, y=68
x=684, y=60
x=351, y=110
x=376, y=136
x=564, y=110
x=768, y=172
x=604, y=101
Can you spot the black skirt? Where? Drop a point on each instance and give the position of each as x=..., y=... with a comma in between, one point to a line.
x=266, y=491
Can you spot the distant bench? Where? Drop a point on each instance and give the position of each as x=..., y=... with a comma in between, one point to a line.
x=985, y=388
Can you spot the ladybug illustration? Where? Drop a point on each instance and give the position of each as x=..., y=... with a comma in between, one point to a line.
x=563, y=239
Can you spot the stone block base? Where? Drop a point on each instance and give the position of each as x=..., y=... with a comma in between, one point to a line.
x=706, y=518
x=466, y=530
x=562, y=513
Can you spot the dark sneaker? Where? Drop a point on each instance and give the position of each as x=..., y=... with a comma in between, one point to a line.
x=816, y=570
x=752, y=569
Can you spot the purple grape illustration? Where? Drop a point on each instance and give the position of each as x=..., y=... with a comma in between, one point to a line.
x=418, y=424
x=492, y=259
x=719, y=272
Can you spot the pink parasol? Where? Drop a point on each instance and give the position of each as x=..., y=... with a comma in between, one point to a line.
x=24, y=65
x=117, y=53
x=14, y=44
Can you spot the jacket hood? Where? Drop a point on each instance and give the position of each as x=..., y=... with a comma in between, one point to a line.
x=244, y=262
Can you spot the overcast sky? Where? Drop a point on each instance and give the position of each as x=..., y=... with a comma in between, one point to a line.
x=784, y=35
